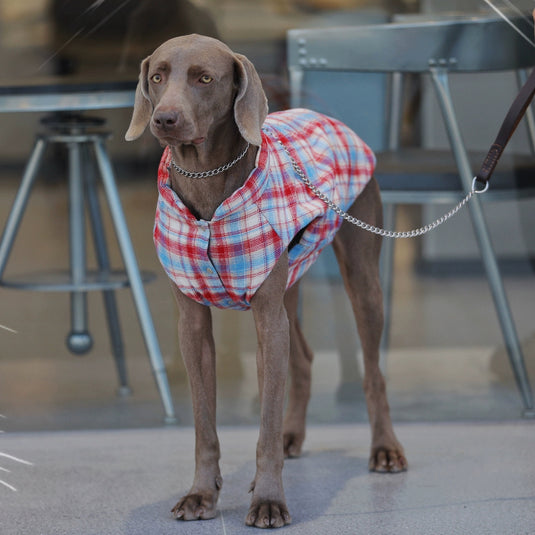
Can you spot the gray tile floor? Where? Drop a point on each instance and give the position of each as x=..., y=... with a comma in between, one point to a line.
x=476, y=479
x=451, y=393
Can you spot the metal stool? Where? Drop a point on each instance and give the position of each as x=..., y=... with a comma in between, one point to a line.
x=74, y=132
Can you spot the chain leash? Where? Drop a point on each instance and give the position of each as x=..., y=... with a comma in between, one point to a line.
x=376, y=230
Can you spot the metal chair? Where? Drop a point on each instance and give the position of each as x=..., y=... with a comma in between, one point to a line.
x=417, y=176
x=84, y=140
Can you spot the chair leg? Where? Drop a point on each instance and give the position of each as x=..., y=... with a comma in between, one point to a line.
x=503, y=309
x=103, y=261
x=19, y=204
x=134, y=277
x=516, y=358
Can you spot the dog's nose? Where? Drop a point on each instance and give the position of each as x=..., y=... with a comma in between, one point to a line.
x=165, y=120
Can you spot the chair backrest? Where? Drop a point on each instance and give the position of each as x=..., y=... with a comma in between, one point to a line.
x=474, y=44
x=324, y=60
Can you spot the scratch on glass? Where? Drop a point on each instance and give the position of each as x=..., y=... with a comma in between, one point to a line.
x=500, y=12
x=519, y=11
x=107, y=18
x=66, y=43
x=82, y=30
x=11, y=458
x=8, y=329
x=94, y=5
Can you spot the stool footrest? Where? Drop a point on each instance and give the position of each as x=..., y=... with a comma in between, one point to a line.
x=61, y=281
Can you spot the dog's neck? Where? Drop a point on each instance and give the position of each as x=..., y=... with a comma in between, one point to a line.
x=202, y=196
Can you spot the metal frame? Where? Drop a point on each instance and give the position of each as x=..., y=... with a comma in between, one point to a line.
x=433, y=48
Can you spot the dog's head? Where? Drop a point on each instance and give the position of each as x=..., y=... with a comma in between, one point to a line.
x=192, y=83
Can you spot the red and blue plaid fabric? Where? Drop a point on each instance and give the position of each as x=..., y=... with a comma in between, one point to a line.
x=223, y=262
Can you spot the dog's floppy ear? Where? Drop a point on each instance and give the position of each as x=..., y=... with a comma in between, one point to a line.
x=142, y=105
x=250, y=106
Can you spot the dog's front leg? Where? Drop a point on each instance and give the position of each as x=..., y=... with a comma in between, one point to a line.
x=198, y=351
x=268, y=505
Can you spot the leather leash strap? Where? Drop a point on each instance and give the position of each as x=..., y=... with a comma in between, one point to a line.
x=513, y=117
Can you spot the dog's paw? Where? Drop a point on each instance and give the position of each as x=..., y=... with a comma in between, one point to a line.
x=268, y=514
x=200, y=506
x=387, y=460
x=293, y=444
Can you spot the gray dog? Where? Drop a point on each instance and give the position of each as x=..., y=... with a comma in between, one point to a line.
x=236, y=227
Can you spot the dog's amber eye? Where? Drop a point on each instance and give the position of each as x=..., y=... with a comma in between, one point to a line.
x=205, y=79
x=156, y=78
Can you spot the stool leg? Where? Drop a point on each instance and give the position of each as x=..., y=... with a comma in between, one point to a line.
x=132, y=269
x=79, y=340
x=19, y=204
x=514, y=350
x=103, y=260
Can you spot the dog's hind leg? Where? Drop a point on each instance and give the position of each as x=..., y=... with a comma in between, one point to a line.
x=358, y=253
x=300, y=377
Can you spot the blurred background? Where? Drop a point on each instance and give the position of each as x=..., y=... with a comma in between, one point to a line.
x=445, y=359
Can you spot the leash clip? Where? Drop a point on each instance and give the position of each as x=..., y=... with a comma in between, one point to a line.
x=474, y=187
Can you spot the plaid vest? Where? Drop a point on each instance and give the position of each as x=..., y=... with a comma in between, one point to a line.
x=223, y=262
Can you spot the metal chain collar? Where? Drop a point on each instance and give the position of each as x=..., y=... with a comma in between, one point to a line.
x=213, y=172
x=376, y=230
